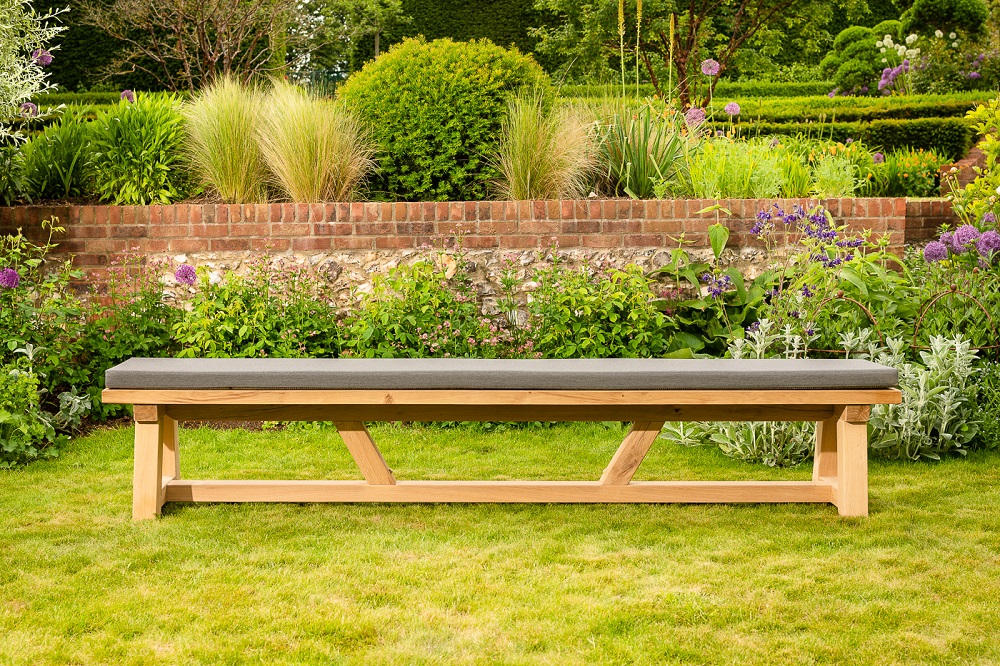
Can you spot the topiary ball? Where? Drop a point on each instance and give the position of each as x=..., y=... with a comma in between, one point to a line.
x=435, y=111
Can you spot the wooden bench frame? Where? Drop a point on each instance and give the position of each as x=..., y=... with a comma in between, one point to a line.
x=840, y=470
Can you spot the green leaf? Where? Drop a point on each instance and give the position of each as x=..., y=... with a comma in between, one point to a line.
x=718, y=236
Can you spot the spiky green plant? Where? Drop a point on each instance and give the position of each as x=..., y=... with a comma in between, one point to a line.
x=544, y=154
x=642, y=152
x=221, y=123
x=315, y=148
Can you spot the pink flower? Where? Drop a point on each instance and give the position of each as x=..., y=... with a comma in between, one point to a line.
x=710, y=67
x=732, y=109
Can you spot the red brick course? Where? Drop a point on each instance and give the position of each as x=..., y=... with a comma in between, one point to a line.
x=96, y=233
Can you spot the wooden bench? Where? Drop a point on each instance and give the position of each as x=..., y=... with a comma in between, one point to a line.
x=837, y=394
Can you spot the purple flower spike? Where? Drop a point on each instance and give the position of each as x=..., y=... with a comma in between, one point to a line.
x=878, y=158
x=989, y=218
x=185, y=274
x=732, y=109
x=710, y=67
x=9, y=279
x=29, y=109
x=41, y=57
x=128, y=96
x=935, y=251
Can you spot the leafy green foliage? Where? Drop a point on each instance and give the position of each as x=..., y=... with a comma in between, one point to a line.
x=965, y=16
x=55, y=160
x=853, y=109
x=642, y=152
x=988, y=402
x=435, y=111
x=276, y=309
x=723, y=89
x=588, y=313
x=26, y=432
x=136, y=151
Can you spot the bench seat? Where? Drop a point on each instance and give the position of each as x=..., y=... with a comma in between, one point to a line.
x=836, y=394
x=619, y=374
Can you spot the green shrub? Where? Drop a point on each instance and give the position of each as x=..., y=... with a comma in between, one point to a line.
x=435, y=111
x=222, y=123
x=137, y=150
x=852, y=109
x=26, y=432
x=908, y=174
x=988, y=403
x=11, y=174
x=588, y=313
x=315, y=149
x=965, y=16
x=892, y=28
x=55, y=160
x=854, y=64
x=544, y=153
x=426, y=309
x=276, y=309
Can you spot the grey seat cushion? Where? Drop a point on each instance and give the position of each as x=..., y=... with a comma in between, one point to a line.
x=455, y=373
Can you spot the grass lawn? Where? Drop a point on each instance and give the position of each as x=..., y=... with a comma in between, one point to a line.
x=917, y=582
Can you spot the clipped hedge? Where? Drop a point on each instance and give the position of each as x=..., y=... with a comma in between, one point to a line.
x=949, y=137
x=853, y=109
x=739, y=89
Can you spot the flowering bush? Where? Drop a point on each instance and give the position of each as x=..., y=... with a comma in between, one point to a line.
x=950, y=62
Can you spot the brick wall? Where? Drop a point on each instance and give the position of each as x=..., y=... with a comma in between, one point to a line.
x=94, y=234
x=924, y=216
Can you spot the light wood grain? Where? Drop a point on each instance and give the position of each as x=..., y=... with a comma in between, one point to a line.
x=825, y=456
x=365, y=452
x=147, y=413
x=171, y=450
x=147, y=478
x=493, y=397
x=499, y=491
x=459, y=412
x=852, y=468
x=631, y=453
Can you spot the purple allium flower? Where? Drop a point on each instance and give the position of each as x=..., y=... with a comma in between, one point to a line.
x=9, y=279
x=988, y=244
x=864, y=90
x=710, y=67
x=878, y=158
x=935, y=251
x=41, y=57
x=185, y=274
x=832, y=93
x=964, y=237
x=732, y=109
x=989, y=218
x=945, y=239
x=849, y=141
x=775, y=142
x=974, y=75
x=694, y=117
x=128, y=96
x=719, y=133
x=29, y=109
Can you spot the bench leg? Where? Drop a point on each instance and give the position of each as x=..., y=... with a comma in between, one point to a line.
x=171, y=452
x=852, y=462
x=825, y=458
x=365, y=453
x=147, y=478
x=630, y=454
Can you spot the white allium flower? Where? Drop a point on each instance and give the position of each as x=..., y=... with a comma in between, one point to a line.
x=900, y=49
x=887, y=39
x=912, y=53
x=879, y=43
x=954, y=45
x=884, y=60
x=952, y=35
x=882, y=50
x=910, y=39
x=938, y=34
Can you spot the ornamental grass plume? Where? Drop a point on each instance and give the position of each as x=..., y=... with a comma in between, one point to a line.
x=315, y=149
x=543, y=153
x=221, y=123
x=9, y=279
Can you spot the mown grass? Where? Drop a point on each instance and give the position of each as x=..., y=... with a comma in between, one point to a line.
x=916, y=582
